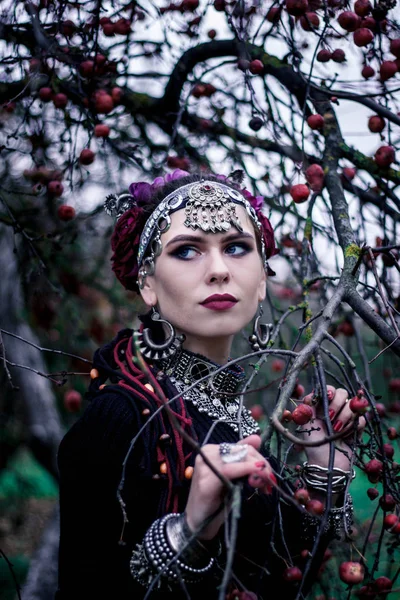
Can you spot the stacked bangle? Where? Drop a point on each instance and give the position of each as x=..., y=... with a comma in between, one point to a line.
x=170, y=551
x=318, y=478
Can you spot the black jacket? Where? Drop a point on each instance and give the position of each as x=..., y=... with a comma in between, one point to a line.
x=95, y=549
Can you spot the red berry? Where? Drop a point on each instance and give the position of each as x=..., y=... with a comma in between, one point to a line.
x=220, y=5
x=100, y=60
x=189, y=5
x=274, y=14
x=122, y=27
x=349, y=173
x=394, y=386
x=102, y=130
x=116, y=94
x=390, y=521
x=72, y=400
x=316, y=122
x=387, y=502
x=362, y=8
x=86, y=157
x=380, y=409
x=87, y=68
x=382, y=584
x=256, y=67
x=292, y=574
x=372, y=493
x=55, y=188
x=299, y=192
x=296, y=8
x=212, y=34
x=392, y=433
x=388, y=450
x=351, y=572
x=346, y=328
x=198, y=90
x=374, y=469
x=286, y=416
x=367, y=72
x=302, y=496
x=324, y=55
x=309, y=21
x=109, y=29
x=45, y=94
x=104, y=103
x=348, y=20
x=387, y=69
x=277, y=365
x=394, y=407
x=298, y=391
x=359, y=406
x=315, y=507
x=338, y=56
x=66, y=212
x=68, y=28
x=302, y=414
x=369, y=23
x=363, y=37
x=60, y=100
x=315, y=177
x=257, y=412
x=395, y=47
x=376, y=124
x=384, y=156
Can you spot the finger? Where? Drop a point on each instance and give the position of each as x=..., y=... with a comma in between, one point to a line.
x=340, y=402
x=253, y=440
x=264, y=482
x=331, y=392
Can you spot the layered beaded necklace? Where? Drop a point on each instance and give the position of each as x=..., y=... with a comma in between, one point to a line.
x=185, y=368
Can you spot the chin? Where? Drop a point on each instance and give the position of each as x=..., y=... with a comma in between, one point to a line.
x=213, y=332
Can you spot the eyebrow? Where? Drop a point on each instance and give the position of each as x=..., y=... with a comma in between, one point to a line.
x=200, y=240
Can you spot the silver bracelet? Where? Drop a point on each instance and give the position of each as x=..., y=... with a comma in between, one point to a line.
x=318, y=478
x=169, y=552
x=339, y=520
x=190, y=549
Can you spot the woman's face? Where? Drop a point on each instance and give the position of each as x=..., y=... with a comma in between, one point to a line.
x=195, y=265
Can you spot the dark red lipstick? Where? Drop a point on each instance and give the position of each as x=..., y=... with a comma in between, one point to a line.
x=219, y=301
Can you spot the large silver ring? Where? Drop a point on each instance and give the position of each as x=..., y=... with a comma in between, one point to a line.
x=231, y=453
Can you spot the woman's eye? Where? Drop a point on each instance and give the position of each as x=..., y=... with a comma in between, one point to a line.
x=238, y=249
x=184, y=252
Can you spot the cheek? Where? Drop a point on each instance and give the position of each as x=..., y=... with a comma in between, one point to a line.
x=172, y=289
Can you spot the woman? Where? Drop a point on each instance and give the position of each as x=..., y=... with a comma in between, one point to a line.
x=149, y=474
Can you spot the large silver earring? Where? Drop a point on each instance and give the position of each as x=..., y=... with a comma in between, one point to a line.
x=261, y=333
x=153, y=351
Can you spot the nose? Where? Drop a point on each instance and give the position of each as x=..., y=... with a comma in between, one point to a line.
x=218, y=271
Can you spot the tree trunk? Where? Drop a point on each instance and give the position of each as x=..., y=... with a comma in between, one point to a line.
x=37, y=401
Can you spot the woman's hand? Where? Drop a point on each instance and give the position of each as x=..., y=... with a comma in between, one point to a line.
x=342, y=419
x=207, y=492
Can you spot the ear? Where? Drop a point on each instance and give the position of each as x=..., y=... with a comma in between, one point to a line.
x=148, y=292
x=262, y=288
